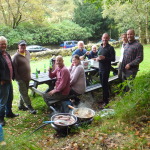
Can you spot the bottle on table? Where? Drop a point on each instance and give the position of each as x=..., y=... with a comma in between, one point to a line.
x=44, y=68
x=36, y=73
x=89, y=64
x=50, y=64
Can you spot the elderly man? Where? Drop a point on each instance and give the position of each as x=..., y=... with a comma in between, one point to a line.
x=106, y=54
x=132, y=57
x=81, y=51
x=62, y=85
x=6, y=76
x=21, y=62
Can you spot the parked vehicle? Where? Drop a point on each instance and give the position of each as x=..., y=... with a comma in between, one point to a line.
x=68, y=44
x=36, y=48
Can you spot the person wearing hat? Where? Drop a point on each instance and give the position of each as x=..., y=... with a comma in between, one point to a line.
x=6, y=77
x=21, y=63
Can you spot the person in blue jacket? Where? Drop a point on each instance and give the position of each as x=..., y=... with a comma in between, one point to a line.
x=93, y=53
x=81, y=51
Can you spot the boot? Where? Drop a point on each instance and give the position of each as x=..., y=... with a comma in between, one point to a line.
x=2, y=121
x=24, y=108
x=31, y=110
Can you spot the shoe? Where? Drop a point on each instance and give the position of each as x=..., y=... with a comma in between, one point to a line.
x=2, y=122
x=12, y=115
x=24, y=108
x=31, y=110
x=102, y=106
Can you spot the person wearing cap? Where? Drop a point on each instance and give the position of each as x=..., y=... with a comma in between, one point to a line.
x=21, y=63
x=6, y=88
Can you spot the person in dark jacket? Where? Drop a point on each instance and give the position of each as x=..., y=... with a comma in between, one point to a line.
x=21, y=63
x=132, y=57
x=106, y=54
x=6, y=76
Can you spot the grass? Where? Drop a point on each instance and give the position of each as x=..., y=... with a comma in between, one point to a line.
x=128, y=129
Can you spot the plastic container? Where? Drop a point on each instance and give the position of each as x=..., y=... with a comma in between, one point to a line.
x=1, y=134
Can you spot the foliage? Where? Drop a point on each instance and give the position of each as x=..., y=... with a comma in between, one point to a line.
x=44, y=35
x=128, y=14
x=90, y=17
x=113, y=133
x=135, y=101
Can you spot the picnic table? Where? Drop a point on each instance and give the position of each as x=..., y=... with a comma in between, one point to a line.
x=43, y=78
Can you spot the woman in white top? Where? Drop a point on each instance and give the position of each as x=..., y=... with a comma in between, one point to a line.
x=125, y=41
x=77, y=76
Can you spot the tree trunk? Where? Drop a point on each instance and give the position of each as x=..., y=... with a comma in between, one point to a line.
x=147, y=31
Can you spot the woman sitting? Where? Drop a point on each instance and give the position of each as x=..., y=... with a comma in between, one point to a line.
x=77, y=76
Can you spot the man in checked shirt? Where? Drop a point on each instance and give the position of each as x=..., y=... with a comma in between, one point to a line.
x=132, y=57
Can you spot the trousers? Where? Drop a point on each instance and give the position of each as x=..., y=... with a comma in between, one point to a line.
x=6, y=98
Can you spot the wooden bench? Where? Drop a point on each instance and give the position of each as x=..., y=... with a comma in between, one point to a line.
x=93, y=87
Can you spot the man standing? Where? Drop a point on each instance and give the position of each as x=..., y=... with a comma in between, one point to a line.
x=81, y=51
x=133, y=56
x=62, y=85
x=106, y=54
x=21, y=62
x=6, y=76
x=125, y=41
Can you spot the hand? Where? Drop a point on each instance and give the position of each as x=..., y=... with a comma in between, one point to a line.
x=2, y=82
x=127, y=67
x=101, y=57
x=81, y=57
x=87, y=53
x=51, y=92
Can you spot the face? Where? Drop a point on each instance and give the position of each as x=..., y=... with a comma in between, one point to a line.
x=75, y=61
x=130, y=35
x=94, y=49
x=3, y=45
x=80, y=45
x=105, y=38
x=59, y=62
x=22, y=48
x=124, y=38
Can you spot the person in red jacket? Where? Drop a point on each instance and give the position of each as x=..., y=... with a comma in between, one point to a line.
x=62, y=85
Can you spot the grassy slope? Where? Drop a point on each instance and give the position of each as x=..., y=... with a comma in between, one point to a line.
x=102, y=133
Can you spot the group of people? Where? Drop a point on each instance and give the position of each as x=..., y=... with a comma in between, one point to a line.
x=17, y=68
x=68, y=81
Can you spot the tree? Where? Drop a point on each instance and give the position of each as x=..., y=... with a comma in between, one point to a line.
x=90, y=17
x=128, y=14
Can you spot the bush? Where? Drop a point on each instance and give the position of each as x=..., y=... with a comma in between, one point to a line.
x=135, y=103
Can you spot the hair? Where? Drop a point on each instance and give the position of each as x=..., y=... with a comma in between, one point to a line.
x=76, y=57
x=123, y=34
x=80, y=42
x=131, y=30
x=59, y=57
x=2, y=38
x=106, y=34
x=94, y=46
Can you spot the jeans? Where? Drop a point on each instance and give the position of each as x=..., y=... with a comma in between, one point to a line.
x=104, y=76
x=6, y=98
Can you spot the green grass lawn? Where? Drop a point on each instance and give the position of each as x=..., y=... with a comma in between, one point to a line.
x=17, y=131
